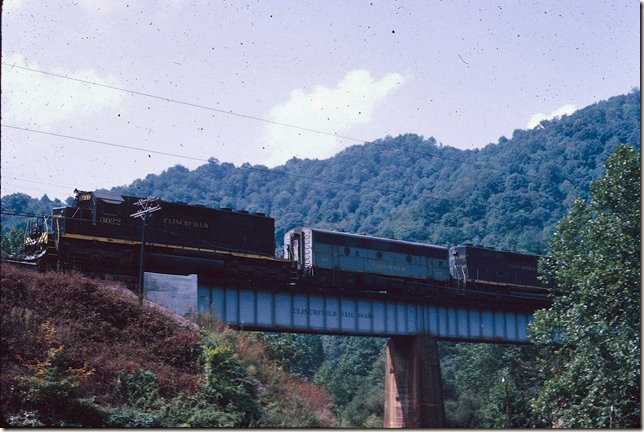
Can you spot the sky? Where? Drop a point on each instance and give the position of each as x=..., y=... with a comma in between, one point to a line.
x=264, y=81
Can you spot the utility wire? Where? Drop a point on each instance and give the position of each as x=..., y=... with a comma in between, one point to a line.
x=320, y=179
x=232, y=113
x=265, y=120
x=38, y=182
x=33, y=189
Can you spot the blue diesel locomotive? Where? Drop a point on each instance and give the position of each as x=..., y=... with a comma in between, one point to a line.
x=352, y=261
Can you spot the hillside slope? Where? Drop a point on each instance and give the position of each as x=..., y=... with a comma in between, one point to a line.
x=80, y=352
x=508, y=194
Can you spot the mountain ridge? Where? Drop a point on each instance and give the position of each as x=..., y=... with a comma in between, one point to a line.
x=508, y=194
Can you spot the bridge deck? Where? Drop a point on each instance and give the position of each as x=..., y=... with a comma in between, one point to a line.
x=284, y=311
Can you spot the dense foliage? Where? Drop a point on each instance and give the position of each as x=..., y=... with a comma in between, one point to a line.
x=12, y=243
x=16, y=210
x=510, y=194
x=77, y=352
x=594, y=327
x=490, y=386
x=351, y=369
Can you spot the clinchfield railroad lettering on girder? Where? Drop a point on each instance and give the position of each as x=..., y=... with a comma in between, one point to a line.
x=301, y=311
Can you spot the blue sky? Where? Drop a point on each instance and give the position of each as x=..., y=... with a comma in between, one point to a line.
x=465, y=73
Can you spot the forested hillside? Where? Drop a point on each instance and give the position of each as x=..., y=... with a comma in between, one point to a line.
x=510, y=194
x=507, y=195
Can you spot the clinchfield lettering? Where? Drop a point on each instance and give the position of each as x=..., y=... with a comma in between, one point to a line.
x=301, y=311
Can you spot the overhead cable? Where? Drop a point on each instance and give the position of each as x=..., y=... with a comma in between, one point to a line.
x=37, y=181
x=250, y=117
x=269, y=171
x=194, y=105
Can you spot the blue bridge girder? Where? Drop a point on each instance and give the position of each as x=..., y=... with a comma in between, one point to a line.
x=285, y=310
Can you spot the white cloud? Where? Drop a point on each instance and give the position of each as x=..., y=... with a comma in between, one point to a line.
x=38, y=99
x=332, y=110
x=9, y=6
x=539, y=117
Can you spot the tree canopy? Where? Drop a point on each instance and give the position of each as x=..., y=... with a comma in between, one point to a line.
x=594, y=323
x=510, y=194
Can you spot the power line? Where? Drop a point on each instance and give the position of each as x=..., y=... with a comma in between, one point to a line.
x=354, y=185
x=232, y=113
x=21, y=214
x=32, y=189
x=38, y=182
x=194, y=105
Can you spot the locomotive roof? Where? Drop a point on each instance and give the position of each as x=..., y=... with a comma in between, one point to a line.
x=109, y=198
x=119, y=199
x=383, y=239
x=492, y=250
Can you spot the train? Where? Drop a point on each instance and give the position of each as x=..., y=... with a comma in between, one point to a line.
x=98, y=233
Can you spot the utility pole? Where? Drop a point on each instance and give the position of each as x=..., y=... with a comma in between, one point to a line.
x=148, y=205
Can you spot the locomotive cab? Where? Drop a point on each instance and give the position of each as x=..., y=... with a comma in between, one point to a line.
x=36, y=239
x=295, y=251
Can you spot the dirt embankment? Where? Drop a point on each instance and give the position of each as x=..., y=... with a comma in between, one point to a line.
x=100, y=331
x=98, y=324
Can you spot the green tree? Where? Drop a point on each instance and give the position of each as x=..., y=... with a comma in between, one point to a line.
x=593, y=327
x=228, y=389
x=353, y=374
x=490, y=386
x=12, y=241
x=300, y=354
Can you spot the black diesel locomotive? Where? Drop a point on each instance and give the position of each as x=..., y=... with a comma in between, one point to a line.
x=97, y=233
x=486, y=269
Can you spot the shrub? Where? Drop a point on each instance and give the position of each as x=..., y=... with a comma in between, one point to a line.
x=131, y=417
x=139, y=389
x=226, y=384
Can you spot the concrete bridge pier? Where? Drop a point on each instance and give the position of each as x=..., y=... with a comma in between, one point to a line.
x=413, y=390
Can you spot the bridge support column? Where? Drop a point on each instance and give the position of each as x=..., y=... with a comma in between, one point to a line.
x=413, y=390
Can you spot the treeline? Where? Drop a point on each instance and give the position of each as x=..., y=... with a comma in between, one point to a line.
x=507, y=195
x=510, y=194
